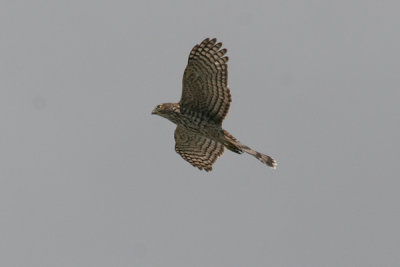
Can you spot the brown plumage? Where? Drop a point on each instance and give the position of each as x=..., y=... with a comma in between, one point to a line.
x=205, y=102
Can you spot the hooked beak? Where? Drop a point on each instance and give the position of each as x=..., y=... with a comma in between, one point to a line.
x=154, y=111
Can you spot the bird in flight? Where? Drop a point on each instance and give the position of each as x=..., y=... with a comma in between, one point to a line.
x=199, y=136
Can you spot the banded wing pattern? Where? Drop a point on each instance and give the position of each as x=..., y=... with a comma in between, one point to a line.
x=205, y=89
x=198, y=150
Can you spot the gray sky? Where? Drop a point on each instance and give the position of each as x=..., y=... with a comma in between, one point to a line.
x=89, y=178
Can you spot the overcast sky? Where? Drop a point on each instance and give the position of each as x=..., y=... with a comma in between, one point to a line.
x=89, y=178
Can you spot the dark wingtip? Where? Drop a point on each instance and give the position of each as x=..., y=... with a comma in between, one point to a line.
x=207, y=169
x=205, y=41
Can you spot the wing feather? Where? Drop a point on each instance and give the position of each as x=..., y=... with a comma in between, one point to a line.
x=198, y=150
x=205, y=81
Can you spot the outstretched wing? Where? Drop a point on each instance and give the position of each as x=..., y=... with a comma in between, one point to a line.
x=198, y=150
x=205, y=81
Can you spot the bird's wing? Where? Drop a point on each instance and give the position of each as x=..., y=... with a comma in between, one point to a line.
x=198, y=150
x=205, y=81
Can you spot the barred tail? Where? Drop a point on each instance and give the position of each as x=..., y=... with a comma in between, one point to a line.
x=234, y=145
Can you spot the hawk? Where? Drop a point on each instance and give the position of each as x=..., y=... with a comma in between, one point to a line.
x=205, y=101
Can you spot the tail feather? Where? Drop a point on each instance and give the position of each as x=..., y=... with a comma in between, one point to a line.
x=234, y=145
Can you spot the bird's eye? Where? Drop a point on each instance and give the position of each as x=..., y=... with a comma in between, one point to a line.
x=159, y=106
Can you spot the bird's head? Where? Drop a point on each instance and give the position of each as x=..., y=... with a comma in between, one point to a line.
x=166, y=110
x=160, y=109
